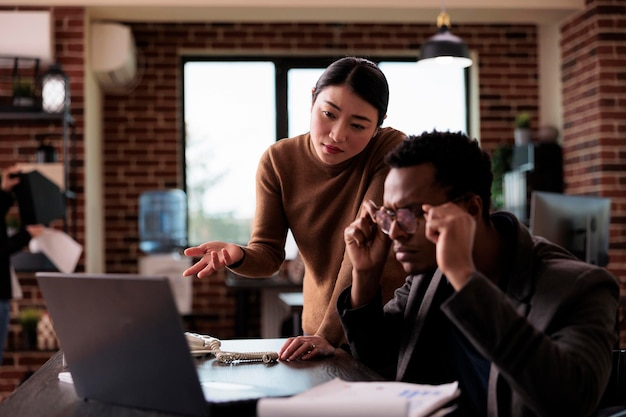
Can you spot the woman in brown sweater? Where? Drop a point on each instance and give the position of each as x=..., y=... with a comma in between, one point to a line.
x=314, y=184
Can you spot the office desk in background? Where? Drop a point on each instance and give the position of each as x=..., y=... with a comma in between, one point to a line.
x=294, y=301
x=44, y=395
x=273, y=312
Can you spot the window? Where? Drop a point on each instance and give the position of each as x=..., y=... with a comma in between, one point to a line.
x=229, y=122
x=232, y=114
x=423, y=98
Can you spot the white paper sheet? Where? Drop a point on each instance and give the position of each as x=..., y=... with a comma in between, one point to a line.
x=339, y=398
x=60, y=248
x=66, y=377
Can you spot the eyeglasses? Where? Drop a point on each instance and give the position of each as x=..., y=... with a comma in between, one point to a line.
x=407, y=219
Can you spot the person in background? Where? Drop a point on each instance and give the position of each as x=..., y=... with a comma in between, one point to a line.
x=314, y=184
x=8, y=246
x=525, y=328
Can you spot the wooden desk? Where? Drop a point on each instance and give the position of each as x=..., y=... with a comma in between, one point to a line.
x=44, y=394
x=294, y=302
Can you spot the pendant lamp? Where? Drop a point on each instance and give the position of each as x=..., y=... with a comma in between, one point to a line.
x=444, y=48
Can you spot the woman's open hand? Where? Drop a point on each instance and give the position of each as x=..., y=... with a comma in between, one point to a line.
x=215, y=256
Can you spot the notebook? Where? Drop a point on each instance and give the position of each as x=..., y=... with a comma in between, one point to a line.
x=124, y=344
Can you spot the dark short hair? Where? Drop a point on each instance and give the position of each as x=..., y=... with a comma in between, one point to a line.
x=460, y=164
x=363, y=77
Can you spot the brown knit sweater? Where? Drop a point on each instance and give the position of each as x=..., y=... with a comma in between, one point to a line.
x=296, y=190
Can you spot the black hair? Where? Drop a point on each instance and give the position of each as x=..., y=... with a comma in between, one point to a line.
x=460, y=163
x=363, y=77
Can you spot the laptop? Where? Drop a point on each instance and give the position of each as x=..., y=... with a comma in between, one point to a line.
x=123, y=341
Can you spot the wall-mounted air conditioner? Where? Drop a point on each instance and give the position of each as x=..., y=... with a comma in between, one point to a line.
x=113, y=55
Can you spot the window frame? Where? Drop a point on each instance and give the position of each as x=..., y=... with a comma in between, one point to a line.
x=282, y=66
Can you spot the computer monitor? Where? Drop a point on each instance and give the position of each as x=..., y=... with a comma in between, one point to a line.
x=579, y=224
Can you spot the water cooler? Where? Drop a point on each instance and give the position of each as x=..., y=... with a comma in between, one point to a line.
x=162, y=237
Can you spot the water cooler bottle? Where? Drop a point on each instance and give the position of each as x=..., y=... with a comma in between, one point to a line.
x=162, y=237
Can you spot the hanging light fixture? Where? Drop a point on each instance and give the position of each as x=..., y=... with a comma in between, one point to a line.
x=55, y=92
x=444, y=48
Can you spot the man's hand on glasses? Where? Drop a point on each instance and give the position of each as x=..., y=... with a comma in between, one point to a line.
x=368, y=249
x=366, y=246
x=451, y=228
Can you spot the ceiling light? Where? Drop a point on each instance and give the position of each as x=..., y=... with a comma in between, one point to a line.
x=444, y=48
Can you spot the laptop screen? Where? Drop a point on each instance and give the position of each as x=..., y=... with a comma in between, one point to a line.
x=123, y=340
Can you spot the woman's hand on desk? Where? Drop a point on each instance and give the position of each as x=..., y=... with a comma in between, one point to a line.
x=305, y=347
x=215, y=256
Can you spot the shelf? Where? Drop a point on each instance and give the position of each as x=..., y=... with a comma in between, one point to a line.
x=35, y=115
x=67, y=124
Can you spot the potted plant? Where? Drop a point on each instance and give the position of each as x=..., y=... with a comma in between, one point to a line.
x=501, y=160
x=522, y=131
x=29, y=318
x=13, y=224
x=23, y=93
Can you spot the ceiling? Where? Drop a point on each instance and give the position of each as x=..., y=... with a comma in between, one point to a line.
x=387, y=11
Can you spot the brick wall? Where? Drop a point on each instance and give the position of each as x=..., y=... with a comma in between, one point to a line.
x=594, y=105
x=18, y=144
x=18, y=138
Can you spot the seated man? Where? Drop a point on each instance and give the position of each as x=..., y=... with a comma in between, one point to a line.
x=525, y=327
